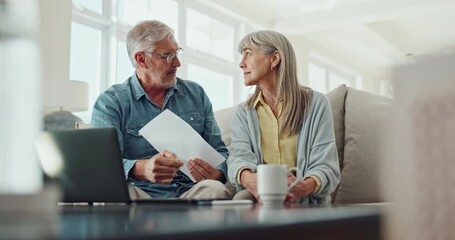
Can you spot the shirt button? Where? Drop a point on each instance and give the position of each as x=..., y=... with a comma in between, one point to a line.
x=191, y=118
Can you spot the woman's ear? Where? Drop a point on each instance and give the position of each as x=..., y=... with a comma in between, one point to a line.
x=275, y=60
x=139, y=57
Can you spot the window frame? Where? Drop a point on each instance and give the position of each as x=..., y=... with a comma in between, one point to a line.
x=113, y=30
x=355, y=80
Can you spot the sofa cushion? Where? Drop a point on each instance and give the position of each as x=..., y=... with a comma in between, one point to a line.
x=223, y=118
x=365, y=119
x=337, y=97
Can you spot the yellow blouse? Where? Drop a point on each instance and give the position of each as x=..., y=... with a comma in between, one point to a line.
x=277, y=148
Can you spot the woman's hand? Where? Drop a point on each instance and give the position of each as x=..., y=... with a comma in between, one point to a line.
x=303, y=188
x=201, y=170
x=249, y=181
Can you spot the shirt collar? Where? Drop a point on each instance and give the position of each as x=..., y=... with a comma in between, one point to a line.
x=259, y=99
x=138, y=90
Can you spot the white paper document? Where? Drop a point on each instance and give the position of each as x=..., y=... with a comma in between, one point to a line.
x=168, y=131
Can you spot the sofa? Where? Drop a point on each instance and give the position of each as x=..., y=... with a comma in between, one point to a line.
x=359, y=123
x=360, y=130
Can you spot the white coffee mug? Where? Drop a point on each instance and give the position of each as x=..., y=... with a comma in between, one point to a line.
x=273, y=182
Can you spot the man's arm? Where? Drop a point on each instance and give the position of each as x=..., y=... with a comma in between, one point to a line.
x=107, y=114
x=212, y=135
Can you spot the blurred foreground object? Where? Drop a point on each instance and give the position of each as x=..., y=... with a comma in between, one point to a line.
x=20, y=97
x=419, y=175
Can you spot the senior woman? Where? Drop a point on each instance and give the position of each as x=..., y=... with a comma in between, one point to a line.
x=283, y=122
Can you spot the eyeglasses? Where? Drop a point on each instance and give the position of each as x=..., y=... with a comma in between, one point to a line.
x=169, y=56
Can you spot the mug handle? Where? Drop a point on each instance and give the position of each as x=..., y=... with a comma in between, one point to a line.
x=299, y=175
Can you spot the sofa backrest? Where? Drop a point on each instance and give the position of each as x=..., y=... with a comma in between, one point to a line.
x=337, y=99
x=359, y=122
x=223, y=118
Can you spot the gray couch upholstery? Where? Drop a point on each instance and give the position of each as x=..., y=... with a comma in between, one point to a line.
x=359, y=122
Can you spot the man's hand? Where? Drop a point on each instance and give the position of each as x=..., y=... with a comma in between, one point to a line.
x=161, y=168
x=202, y=170
x=249, y=181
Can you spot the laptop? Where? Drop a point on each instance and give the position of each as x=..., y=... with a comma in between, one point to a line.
x=87, y=164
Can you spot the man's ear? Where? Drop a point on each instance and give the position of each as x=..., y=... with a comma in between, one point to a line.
x=275, y=59
x=139, y=57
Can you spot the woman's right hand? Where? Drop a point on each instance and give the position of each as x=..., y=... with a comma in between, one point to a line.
x=249, y=181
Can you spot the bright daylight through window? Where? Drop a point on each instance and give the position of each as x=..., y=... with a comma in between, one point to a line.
x=207, y=37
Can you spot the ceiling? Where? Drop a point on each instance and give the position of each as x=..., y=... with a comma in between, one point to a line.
x=382, y=33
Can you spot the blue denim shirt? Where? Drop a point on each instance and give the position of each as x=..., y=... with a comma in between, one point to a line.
x=127, y=108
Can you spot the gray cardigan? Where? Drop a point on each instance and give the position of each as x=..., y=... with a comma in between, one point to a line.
x=316, y=149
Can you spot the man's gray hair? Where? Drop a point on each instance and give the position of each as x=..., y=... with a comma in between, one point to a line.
x=144, y=35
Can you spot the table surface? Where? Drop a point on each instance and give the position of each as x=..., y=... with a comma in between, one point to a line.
x=166, y=221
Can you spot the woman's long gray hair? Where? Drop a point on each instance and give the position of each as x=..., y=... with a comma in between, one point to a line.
x=295, y=97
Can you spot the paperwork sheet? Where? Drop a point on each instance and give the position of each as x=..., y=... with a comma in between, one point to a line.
x=168, y=131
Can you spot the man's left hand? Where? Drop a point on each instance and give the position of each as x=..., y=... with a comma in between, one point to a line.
x=202, y=170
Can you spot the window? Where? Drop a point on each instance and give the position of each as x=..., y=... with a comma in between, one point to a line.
x=221, y=93
x=132, y=12
x=93, y=5
x=317, y=77
x=124, y=67
x=210, y=54
x=208, y=37
x=86, y=65
x=324, y=76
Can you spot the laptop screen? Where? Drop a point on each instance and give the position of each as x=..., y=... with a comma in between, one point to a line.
x=86, y=163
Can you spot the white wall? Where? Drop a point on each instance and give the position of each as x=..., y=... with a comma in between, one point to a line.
x=55, y=32
x=55, y=38
x=371, y=75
